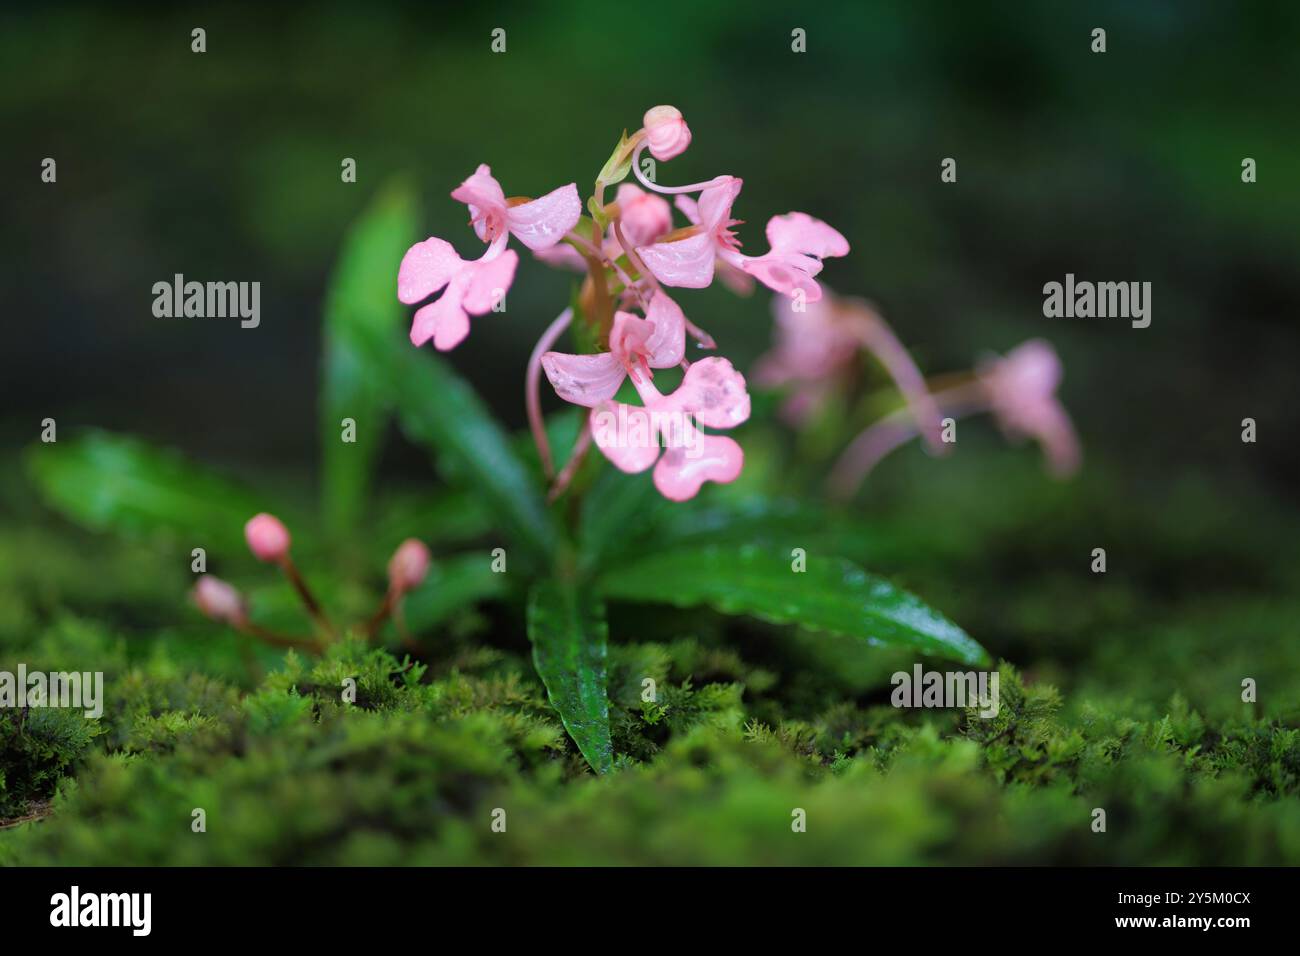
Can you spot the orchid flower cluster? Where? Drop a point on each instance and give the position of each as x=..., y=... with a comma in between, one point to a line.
x=269, y=541
x=631, y=252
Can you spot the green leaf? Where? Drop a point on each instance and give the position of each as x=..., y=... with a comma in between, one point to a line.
x=619, y=163
x=361, y=303
x=452, y=584
x=438, y=518
x=832, y=594
x=619, y=513
x=569, y=634
x=111, y=482
x=437, y=408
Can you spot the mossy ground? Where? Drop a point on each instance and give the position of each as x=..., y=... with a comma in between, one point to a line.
x=1120, y=691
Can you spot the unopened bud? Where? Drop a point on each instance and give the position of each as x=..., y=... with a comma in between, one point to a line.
x=268, y=538
x=218, y=600
x=667, y=134
x=408, y=566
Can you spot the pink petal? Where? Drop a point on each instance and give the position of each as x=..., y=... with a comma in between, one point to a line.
x=562, y=256
x=489, y=282
x=687, y=263
x=584, y=379
x=481, y=189
x=1059, y=442
x=689, y=207
x=645, y=216
x=444, y=321
x=737, y=280
x=714, y=392
x=426, y=268
x=800, y=232
x=486, y=200
x=626, y=435
x=545, y=221
x=716, y=202
x=784, y=272
x=628, y=337
x=667, y=343
x=682, y=470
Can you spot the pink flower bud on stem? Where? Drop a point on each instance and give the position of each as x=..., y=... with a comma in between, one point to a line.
x=267, y=537
x=407, y=568
x=221, y=602
x=269, y=541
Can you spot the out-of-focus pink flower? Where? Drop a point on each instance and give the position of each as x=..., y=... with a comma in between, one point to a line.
x=408, y=565
x=267, y=537
x=811, y=346
x=473, y=288
x=219, y=600
x=713, y=394
x=1021, y=391
x=537, y=223
x=667, y=134
x=644, y=216
x=636, y=345
x=814, y=353
x=798, y=244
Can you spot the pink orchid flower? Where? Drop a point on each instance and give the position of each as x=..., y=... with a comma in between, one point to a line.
x=815, y=351
x=798, y=244
x=474, y=287
x=813, y=354
x=537, y=223
x=636, y=345
x=1021, y=390
x=712, y=393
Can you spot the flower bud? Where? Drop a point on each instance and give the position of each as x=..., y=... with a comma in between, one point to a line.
x=408, y=565
x=666, y=132
x=645, y=216
x=218, y=600
x=268, y=538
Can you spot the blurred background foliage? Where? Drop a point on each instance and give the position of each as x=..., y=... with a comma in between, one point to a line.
x=1122, y=166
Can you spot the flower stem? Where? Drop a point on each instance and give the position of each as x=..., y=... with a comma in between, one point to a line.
x=304, y=593
x=532, y=387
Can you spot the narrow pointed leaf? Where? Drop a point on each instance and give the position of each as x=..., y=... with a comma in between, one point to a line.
x=832, y=594
x=569, y=634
